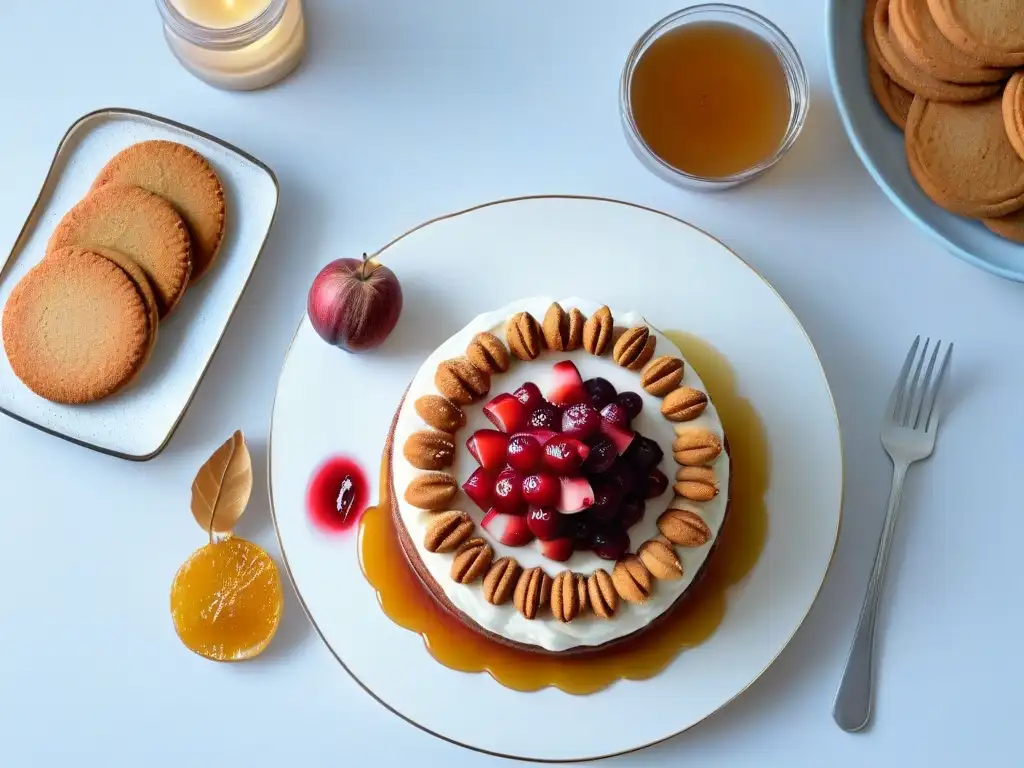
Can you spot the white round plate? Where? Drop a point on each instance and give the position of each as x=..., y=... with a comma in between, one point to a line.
x=329, y=402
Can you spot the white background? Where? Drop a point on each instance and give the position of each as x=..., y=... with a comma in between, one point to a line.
x=404, y=110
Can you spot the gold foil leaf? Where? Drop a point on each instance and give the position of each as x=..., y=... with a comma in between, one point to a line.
x=223, y=486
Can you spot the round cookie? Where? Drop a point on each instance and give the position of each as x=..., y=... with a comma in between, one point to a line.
x=186, y=180
x=140, y=225
x=138, y=276
x=75, y=327
x=868, y=30
x=917, y=36
x=1013, y=112
x=961, y=158
x=990, y=31
x=893, y=98
x=913, y=78
x=1011, y=227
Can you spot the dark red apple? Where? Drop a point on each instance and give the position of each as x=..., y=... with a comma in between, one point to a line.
x=354, y=304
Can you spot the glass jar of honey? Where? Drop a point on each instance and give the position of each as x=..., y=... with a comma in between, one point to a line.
x=235, y=44
x=712, y=96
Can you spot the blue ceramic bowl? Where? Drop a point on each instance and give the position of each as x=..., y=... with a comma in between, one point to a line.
x=880, y=147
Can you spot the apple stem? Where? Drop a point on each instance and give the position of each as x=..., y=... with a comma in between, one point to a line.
x=367, y=267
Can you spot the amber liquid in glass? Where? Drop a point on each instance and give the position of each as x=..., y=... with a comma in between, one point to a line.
x=710, y=99
x=407, y=603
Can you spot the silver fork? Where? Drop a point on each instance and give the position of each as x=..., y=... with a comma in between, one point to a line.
x=908, y=434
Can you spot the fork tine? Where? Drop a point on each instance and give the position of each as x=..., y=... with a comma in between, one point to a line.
x=909, y=396
x=932, y=418
x=915, y=416
x=894, y=399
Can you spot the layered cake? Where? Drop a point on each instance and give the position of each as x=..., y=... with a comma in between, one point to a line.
x=559, y=475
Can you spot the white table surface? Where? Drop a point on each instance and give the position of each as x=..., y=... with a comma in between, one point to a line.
x=402, y=111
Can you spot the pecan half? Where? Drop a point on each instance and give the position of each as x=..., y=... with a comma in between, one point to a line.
x=684, y=527
x=500, y=581
x=684, y=404
x=632, y=580
x=447, y=530
x=581, y=592
x=461, y=381
x=556, y=328
x=440, y=413
x=597, y=332
x=576, y=322
x=565, y=596
x=662, y=375
x=533, y=591
x=634, y=348
x=524, y=337
x=432, y=490
x=660, y=559
x=696, y=483
x=471, y=561
x=487, y=352
x=604, y=600
x=427, y=449
x=695, y=446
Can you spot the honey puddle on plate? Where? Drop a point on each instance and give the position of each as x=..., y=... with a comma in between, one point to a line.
x=741, y=541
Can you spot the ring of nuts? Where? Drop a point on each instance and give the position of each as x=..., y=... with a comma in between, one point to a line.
x=465, y=380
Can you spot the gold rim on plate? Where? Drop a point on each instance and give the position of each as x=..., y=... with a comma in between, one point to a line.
x=592, y=758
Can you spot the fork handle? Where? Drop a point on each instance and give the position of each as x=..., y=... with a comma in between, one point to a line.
x=852, y=707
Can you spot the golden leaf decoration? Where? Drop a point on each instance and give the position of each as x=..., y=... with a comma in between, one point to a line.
x=222, y=487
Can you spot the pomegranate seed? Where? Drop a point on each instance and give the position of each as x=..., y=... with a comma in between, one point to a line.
x=544, y=523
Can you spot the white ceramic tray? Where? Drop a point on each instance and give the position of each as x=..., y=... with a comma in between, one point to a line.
x=329, y=402
x=138, y=422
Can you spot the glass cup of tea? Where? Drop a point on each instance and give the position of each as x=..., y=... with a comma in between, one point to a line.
x=712, y=96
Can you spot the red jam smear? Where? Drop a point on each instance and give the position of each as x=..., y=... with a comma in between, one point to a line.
x=337, y=495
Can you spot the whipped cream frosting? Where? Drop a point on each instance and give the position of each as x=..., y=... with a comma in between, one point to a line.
x=545, y=631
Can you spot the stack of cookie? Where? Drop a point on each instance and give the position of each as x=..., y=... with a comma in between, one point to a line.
x=82, y=323
x=950, y=74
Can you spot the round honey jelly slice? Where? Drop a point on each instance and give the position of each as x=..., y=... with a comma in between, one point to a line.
x=226, y=600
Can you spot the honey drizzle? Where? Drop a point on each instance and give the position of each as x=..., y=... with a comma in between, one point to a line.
x=740, y=543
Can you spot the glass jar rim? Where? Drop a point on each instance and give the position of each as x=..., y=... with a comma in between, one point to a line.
x=221, y=38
